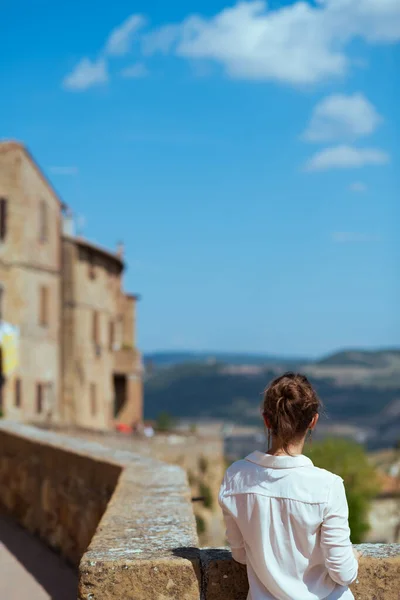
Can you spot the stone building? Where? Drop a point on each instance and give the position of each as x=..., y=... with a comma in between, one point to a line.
x=77, y=359
x=101, y=366
x=30, y=284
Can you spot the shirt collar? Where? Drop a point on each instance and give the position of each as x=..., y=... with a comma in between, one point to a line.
x=279, y=462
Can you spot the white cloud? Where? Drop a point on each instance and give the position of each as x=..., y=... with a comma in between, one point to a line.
x=358, y=187
x=135, y=71
x=377, y=21
x=161, y=40
x=346, y=237
x=86, y=74
x=339, y=117
x=120, y=39
x=297, y=44
x=300, y=43
x=253, y=43
x=64, y=170
x=346, y=157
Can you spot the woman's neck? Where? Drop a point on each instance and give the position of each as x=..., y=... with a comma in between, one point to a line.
x=292, y=450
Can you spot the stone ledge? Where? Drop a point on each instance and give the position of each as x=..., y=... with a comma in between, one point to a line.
x=137, y=513
x=379, y=574
x=138, y=509
x=133, y=554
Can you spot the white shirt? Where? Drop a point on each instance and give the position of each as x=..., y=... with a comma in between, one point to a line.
x=288, y=522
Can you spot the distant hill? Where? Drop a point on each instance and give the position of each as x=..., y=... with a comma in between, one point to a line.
x=358, y=388
x=168, y=359
x=363, y=358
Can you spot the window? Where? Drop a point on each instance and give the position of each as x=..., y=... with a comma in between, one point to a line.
x=3, y=219
x=111, y=333
x=39, y=397
x=95, y=328
x=43, y=222
x=120, y=331
x=18, y=391
x=43, y=306
x=92, y=266
x=93, y=406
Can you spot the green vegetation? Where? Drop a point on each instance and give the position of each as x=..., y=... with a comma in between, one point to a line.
x=191, y=478
x=126, y=347
x=205, y=492
x=193, y=428
x=164, y=422
x=203, y=464
x=349, y=460
x=200, y=524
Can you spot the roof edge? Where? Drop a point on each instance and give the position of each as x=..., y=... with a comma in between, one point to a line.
x=9, y=145
x=80, y=241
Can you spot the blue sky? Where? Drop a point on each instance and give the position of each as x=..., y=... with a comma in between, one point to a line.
x=247, y=155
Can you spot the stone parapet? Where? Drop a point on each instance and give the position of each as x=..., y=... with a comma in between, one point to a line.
x=378, y=579
x=127, y=520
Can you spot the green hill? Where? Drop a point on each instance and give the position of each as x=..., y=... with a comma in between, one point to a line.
x=375, y=359
x=357, y=388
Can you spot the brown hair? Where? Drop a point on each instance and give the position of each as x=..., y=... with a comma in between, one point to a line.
x=290, y=403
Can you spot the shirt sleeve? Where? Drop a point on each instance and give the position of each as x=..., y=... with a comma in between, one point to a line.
x=335, y=537
x=233, y=533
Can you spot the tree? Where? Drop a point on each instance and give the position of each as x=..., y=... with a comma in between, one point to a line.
x=164, y=422
x=349, y=460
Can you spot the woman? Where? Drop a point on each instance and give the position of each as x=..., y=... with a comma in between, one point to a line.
x=286, y=519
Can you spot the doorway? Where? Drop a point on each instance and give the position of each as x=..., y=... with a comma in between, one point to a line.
x=120, y=387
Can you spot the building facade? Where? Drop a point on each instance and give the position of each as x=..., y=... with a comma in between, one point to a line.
x=100, y=364
x=62, y=299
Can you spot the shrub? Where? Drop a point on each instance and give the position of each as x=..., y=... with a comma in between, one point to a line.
x=205, y=492
x=164, y=422
x=203, y=464
x=349, y=460
x=191, y=478
x=200, y=524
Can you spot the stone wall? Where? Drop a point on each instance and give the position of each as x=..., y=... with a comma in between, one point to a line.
x=137, y=509
x=88, y=362
x=201, y=456
x=28, y=263
x=145, y=545
x=59, y=291
x=98, y=321
x=53, y=487
x=378, y=579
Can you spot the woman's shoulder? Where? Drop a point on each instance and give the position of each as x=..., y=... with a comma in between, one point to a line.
x=324, y=476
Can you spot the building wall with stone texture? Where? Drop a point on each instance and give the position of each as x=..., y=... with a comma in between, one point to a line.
x=98, y=325
x=384, y=520
x=29, y=264
x=127, y=360
x=50, y=288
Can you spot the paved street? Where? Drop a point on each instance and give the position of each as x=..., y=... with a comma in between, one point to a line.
x=29, y=570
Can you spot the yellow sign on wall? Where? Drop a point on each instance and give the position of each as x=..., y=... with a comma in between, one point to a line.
x=9, y=342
